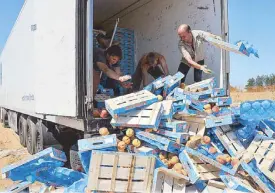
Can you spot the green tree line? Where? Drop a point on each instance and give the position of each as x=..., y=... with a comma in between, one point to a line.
x=263, y=80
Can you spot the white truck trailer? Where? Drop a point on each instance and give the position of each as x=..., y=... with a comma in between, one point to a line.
x=46, y=64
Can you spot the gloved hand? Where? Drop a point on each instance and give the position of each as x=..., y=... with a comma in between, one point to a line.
x=206, y=70
x=124, y=78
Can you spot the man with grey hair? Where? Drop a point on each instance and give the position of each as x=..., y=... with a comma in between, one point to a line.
x=192, y=50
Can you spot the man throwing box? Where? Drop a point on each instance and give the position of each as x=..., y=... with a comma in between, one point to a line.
x=192, y=49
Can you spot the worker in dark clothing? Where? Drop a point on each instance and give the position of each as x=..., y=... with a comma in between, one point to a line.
x=108, y=63
x=151, y=63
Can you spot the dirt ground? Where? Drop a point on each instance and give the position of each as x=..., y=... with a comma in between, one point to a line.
x=238, y=97
x=10, y=152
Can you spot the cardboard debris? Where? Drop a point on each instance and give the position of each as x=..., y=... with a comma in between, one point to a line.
x=183, y=140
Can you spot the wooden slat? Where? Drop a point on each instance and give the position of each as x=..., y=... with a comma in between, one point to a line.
x=148, y=180
x=131, y=173
x=113, y=174
x=210, y=176
x=168, y=184
x=121, y=186
x=179, y=187
x=124, y=161
x=95, y=163
x=159, y=182
x=122, y=173
x=204, y=168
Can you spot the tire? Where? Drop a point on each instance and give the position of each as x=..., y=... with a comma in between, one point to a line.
x=31, y=135
x=5, y=119
x=22, y=130
x=39, y=137
x=75, y=162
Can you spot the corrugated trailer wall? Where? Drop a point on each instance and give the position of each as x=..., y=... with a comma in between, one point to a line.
x=155, y=24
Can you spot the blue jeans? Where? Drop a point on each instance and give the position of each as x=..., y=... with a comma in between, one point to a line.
x=184, y=69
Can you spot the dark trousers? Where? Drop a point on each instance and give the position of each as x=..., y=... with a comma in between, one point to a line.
x=184, y=69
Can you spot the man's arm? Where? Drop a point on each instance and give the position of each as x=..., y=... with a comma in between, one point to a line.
x=118, y=71
x=164, y=65
x=204, y=34
x=145, y=78
x=105, y=69
x=190, y=61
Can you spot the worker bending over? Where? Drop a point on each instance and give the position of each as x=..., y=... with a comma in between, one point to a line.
x=192, y=50
x=107, y=61
x=151, y=63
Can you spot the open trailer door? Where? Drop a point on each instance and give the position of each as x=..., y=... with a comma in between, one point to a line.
x=55, y=57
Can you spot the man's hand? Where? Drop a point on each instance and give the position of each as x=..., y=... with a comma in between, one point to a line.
x=206, y=70
x=124, y=78
x=126, y=84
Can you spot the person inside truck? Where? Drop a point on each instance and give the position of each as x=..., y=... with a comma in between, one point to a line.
x=192, y=50
x=107, y=62
x=153, y=64
x=104, y=40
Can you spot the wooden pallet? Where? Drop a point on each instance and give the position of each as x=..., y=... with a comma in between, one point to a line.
x=268, y=127
x=120, y=172
x=227, y=46
x=130, y=102
x=262, y=148
x=197, y=169
x=149, y=117
x=256, y=174
x=204, y=85
x=195, y=125
x=229, y=140
x=211, y=161
x=236, y=183
x=166, y=180
x=102, y=142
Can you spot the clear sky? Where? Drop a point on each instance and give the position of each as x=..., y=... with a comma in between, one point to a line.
x=249, y=20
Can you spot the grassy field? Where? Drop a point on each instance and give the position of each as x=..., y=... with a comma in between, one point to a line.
x=238, y=97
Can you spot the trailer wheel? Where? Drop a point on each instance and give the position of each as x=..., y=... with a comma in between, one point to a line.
x=39, y=137
x=22, y=130
x=75, y=162
x=31, y=133
x=5, y=119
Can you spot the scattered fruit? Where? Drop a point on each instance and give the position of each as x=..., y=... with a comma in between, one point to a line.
x=208, y=111
x=121, y=146
x=220, y=159
x=103, y=131
x=136, y=143
x=126, y=140
x=227, y=158
x=234, y=161
x=160, y=98
x=215, y=109
x=130, y=132
x=178, y=166
x=162, y=155
x=205, y=140
x=182, y=85
x=212, y=150
x=104, y=114
x=174, y=160
x=207, y=106
x=170, y=155
x=96, y=113
x=183, y=172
